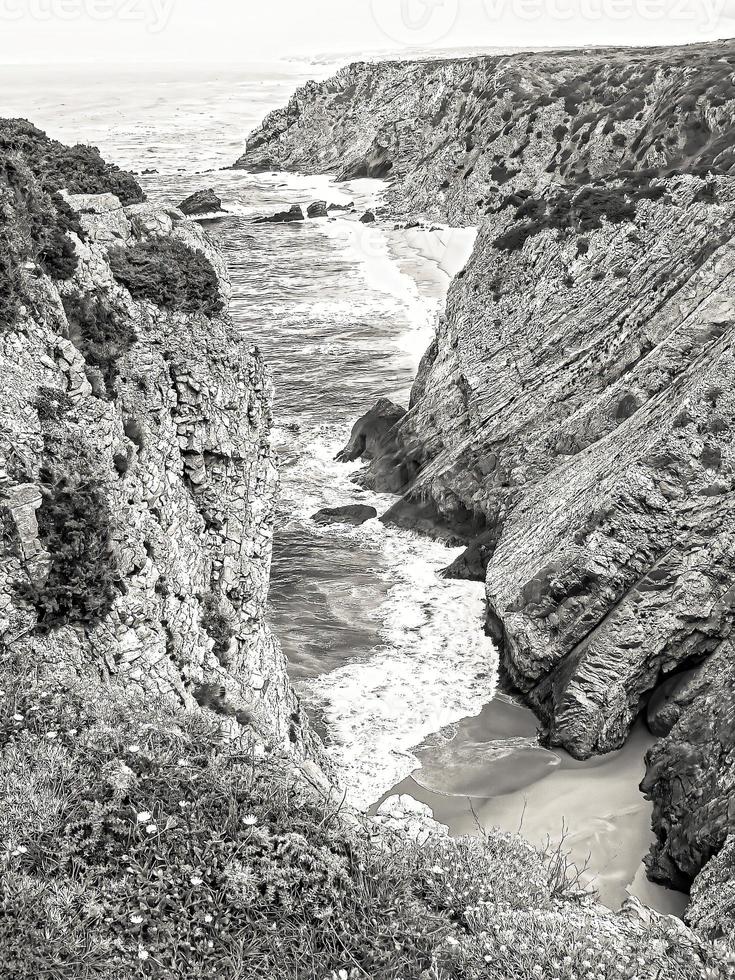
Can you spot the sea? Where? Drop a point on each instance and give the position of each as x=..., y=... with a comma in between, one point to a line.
x=389, y=657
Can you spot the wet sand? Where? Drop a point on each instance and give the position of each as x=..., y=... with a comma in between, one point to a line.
x=490, y=769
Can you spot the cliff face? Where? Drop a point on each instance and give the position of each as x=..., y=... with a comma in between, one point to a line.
x=137, y=477
x=574, y=415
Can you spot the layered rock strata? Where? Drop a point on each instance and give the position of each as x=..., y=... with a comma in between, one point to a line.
x=573, y=419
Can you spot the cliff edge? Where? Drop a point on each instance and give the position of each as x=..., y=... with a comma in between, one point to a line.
x=138, y=479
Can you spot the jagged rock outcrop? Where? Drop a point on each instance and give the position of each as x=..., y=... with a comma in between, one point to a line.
x=712, y=909
x=691, y=778
x=355, y=514
x=317, y=209
x=201, y=202
x=294, y=213
x=573, y=419
x=137, y=479
x=371, y=436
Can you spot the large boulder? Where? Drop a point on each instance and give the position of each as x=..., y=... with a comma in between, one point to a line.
x=201, y=202
x=368, y=218
x=354, y=514
x=294, y=213
x=318, y=209
x=370, y=436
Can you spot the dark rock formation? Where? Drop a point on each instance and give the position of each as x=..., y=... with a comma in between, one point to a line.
x=370, y=436
x=294, y=213
x=201, y=202
x=472, y=564
x=691, y=778
x=351, y=514
x=677, y=693
x=317, y=210
x=368, y=218
x=342, y=207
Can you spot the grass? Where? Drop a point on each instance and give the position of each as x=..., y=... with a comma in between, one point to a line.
x=137, y=842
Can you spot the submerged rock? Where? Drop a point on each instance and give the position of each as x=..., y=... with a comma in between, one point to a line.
x=351, y=514
x=201, y=202
x=318, y=209
x=294, y=213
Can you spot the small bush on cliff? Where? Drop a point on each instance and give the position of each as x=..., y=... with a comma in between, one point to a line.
x=168, y=274
x=218, y=625
x=74, y=527
x=101, y=333
x=578, y=211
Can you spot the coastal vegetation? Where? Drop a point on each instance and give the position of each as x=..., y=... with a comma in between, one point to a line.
x=156, y=849
x=168, y=273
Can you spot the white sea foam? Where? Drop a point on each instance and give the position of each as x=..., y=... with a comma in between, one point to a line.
x=432, y=664
x=434, y=667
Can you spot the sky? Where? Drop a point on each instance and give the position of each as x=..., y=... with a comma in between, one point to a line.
x=236, y=32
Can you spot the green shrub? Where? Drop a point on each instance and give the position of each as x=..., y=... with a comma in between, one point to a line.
x=578, y=211
x=168, y=274
x=74, y=528
x=10, y=298
x=52, y=404
x=218, y=625
x=101, y=333
x=78, y=169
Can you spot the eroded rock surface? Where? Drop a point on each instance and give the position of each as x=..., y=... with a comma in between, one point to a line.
x=691, y=778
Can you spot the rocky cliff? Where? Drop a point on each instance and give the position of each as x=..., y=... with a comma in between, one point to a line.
x=137, y=480
x=573, y=419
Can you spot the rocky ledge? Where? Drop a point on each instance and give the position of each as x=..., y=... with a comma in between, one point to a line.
x=572, y=421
